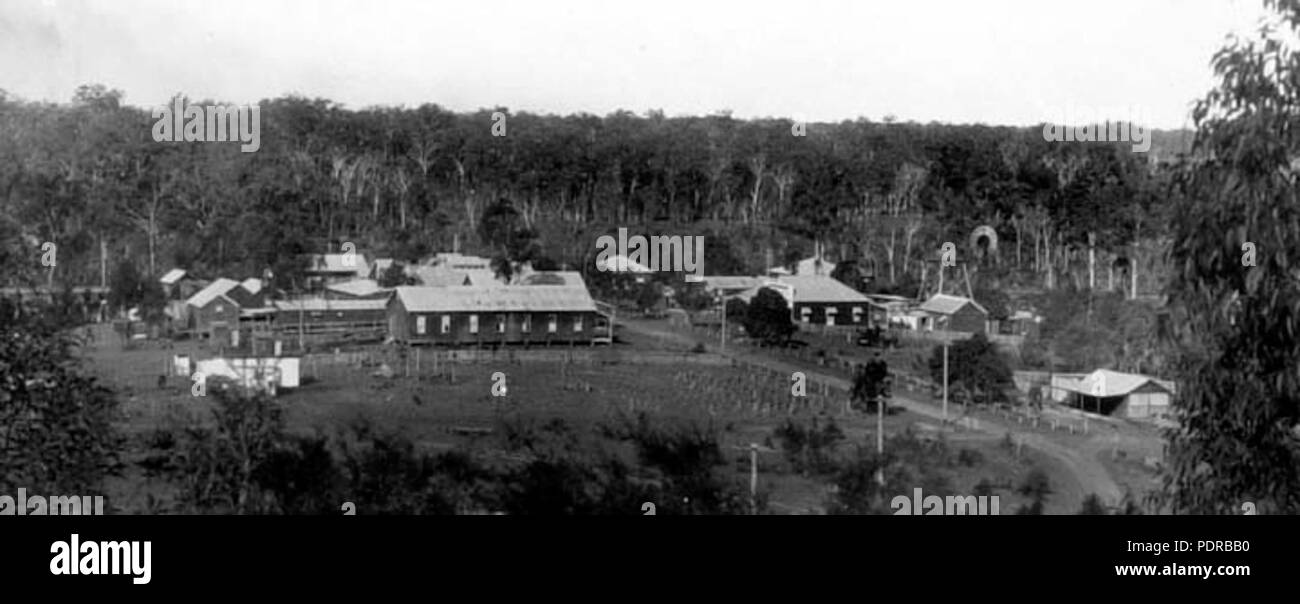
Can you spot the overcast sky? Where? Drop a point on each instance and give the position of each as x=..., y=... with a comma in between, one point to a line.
x=1014, y=62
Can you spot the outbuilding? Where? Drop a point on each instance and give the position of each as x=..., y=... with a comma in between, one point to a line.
x=1128, y=395
x=954, y=313
x=216, y=308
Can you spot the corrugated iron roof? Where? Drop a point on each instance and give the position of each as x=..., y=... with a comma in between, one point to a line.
x=172, y=276
x=731, y=282
x=1107, y=383
x=322, y=305
x=944, y=304
x=565, y=278
x=821, y=288
x=357, y=287
x=504, y=298
x=810, y=289
x=619, y=263
x=220, y=287
x=442, y=276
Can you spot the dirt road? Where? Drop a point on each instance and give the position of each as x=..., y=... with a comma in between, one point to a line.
x=1089, y=474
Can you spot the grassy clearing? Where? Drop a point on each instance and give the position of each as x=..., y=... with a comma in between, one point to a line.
x=443, y=411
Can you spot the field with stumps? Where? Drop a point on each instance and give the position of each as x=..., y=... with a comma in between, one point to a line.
x=446, y=404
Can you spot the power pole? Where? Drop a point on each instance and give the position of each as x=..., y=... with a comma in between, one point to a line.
x=880, y=426
x=880, y=396
x=722, y=303
x=945, y=376
x=753, y=478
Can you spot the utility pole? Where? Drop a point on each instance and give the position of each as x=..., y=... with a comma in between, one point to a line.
x=880, y=396
x=753, y=478
x=945, y=374
x=754, y=450
x=302, y=328
x=722, y=303
x=880, y=426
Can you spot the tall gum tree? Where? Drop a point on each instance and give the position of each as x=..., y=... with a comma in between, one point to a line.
x=1236, y=325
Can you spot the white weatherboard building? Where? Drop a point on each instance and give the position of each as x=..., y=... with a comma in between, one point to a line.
x=266, y=373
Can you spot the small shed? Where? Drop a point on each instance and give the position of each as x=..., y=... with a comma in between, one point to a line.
x=954, y=313
x=214, y=308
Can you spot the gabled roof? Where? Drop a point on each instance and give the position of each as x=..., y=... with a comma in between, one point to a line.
x=357, y=287
x=172, y=276
x=252, y=284
x=731, y=282
x=811, y=289
x=321, y=305
x=1107, y=383
x=619, y=263
x=562, y=278
x=888, y=298
x=943, y=304
x=441, y=276
x=505, y=298
x=214, y=290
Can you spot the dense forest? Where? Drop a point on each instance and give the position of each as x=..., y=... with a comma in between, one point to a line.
x=401, y=182
x=88, y=176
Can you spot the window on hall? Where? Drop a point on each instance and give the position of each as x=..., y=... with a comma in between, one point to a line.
x=446, y=324
x=473, y=323
x=830, y=316
x=419, y=324
x=501, y=323
x=527, y=324
x=805, y=314
x=857, y=314
x=577, y=325
x=552, y=323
